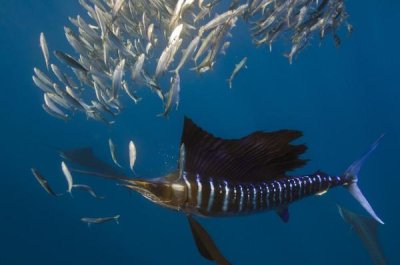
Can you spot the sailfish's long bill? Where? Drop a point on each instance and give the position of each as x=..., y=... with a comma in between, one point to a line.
x=216, y=177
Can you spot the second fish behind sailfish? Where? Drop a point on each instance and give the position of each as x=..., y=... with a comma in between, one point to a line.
x=367, y=230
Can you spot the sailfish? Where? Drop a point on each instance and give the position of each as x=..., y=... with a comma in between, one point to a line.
x=367, y=230
x=217, y=177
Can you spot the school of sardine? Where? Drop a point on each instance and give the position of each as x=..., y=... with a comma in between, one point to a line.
x=121, y=46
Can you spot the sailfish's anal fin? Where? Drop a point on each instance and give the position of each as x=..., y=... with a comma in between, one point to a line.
x=205, y=244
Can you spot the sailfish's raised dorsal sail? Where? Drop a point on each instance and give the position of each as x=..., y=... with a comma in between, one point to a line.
x=258, y=156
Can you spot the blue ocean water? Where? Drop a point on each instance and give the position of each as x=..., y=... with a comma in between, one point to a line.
x=341, y=98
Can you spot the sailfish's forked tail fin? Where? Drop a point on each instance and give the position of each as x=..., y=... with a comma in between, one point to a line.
x=352, y=174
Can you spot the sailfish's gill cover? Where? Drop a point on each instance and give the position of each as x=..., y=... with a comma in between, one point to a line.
x=260, y=156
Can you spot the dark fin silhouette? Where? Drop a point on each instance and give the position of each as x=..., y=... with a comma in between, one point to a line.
x=85, y=158
x=258, y=156
x=205, y=243
x=352, y=174
x=367, y=230
x=283, y=213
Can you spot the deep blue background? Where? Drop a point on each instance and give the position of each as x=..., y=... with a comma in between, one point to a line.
x=342, y=99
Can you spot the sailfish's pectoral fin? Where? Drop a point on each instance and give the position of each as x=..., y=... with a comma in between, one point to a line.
x=205, y=244
x=283, y=213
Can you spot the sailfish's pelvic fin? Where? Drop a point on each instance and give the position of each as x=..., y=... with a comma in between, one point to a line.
x=205, y=244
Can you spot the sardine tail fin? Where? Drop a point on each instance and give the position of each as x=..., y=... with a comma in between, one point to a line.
x=352, y=173
x=289, y=56
x=229, y=80
x=174, y=71
x=116, y=218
